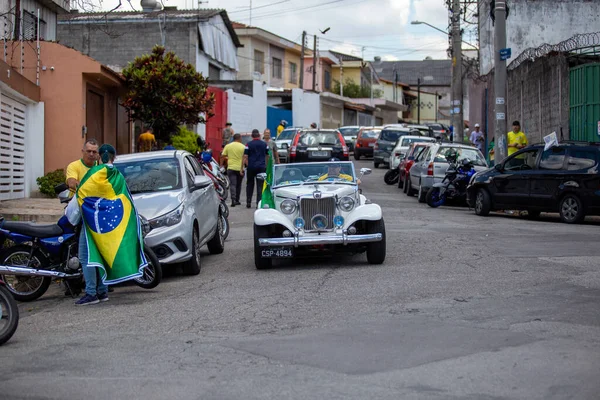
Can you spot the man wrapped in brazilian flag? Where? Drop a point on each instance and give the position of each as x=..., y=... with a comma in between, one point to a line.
x=110, y=244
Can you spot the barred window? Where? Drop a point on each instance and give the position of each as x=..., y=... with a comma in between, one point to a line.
x=30, y=27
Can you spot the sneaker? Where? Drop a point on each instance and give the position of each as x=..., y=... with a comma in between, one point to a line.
x=87, y=300
x=232, y=204
x=103, y=297
x=237, y=203
x=248, y=205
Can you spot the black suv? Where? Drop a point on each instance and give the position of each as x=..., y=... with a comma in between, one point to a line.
x=318, y=145
x=563, y=179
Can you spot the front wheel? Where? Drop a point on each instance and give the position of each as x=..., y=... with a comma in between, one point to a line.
x=434, y=198
x=376, y=250
x=259, y=262
x=483, y=203
x=193, y=265
x=9, y=314
x=216, y=245
x=421, y=194
x=152, y=273
x=571, y=209
x=376, y=164
x=391, y=177
x=25, y=288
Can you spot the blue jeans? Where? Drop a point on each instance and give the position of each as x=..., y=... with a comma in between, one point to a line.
x=93, y=284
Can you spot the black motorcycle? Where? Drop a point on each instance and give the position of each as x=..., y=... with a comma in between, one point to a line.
x=454, y=184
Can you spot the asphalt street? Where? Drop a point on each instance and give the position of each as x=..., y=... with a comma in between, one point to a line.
x=464, y=307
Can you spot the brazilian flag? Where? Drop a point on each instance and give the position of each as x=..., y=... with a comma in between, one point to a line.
x=112, y=229
x=267, y=196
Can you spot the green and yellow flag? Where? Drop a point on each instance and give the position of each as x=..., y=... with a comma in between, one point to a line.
x=112, y=228
x=267, y=196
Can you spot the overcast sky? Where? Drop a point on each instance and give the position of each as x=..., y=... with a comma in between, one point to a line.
x=377, y=27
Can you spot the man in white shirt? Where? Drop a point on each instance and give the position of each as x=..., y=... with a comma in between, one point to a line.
x=477, y=138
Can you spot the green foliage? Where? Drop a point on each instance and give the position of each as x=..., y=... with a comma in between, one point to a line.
x=47, y=182
x=165, y=92
x=185, y=140
x=355, y=91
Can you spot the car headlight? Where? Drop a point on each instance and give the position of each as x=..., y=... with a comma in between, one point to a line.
x=288, y=206
x=346, y=203
x=169, y=219
x=146, y=228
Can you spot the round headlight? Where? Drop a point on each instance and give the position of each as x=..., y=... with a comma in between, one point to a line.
x=319, y=222
x=299, y=223
x=338, y=221
x=288, y=206
x=346, y=203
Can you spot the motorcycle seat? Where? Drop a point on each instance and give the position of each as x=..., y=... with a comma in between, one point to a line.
x=32, y=229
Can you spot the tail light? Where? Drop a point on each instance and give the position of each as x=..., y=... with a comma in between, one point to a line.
x=357, y=144
x=398, y=154
x=345, y=150
x=294, y=146
x=343, y=142
x=293, y=151
x=430, y=169
x=376, y=147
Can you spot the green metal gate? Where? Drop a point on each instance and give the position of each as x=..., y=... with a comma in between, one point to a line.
x=584, y=102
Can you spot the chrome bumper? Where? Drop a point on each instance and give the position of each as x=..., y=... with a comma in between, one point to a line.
x=297, y=241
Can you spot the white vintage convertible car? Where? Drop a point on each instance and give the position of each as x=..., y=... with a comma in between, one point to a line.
x=317, y=207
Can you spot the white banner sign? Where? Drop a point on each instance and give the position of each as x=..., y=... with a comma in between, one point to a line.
x=550, y=140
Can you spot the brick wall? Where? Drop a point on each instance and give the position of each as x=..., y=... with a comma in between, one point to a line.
x=115, y=44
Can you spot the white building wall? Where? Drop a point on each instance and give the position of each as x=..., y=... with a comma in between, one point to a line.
x=259, y=106
x=34, y=147
x=306, y=107
x=248, y=112
x=533, y=23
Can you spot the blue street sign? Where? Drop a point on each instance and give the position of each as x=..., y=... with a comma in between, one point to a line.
x=505, y=54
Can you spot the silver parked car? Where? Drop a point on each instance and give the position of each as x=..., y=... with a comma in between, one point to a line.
x=350, y=134
x=180, y=202
x=284, y=142
x=431, y=165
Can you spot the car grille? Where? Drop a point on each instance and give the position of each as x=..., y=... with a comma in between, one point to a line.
x=312, y=207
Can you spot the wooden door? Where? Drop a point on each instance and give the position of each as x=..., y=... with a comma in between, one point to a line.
x=94, y=116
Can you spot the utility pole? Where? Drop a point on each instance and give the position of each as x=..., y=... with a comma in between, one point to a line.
x=341, y=78
x=302, y=60
x=457, y=86
x=418, y=101
x=371, y=68
x=314, y=85
x=500, y=83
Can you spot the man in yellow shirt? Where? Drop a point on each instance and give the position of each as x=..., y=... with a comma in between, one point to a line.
x=147, y=141
x=516, y=139
x=281, y=127
x=77, y=169
x=334, y=172
x=233, y=154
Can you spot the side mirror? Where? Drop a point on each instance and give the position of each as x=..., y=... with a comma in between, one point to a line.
x=499, y=167
x=365, y=171
x=201, y=182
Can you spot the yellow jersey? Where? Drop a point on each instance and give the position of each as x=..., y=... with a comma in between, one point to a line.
x=518, y=138
x=280, y=129
x=342, y=176
x=234, y=152
x=146, y=141
x=77, y=170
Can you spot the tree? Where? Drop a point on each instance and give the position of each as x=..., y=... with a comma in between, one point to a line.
x=355, y=91
x=164, y=92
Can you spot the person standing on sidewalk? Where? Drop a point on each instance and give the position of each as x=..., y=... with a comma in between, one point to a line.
x=271, y=145
x=77, y=169
x=147, y=141
x=227, y=134
x=233, y=154
x=516, y=138
x=477, y=138
x=255, y=158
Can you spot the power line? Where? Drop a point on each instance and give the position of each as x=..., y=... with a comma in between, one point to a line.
x=256, y=8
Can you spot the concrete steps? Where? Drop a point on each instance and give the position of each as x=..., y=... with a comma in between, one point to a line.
x=32, y=209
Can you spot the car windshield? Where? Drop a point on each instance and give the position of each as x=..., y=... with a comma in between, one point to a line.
x=436, y=127
x=156, y=175
x=371, y=134
x=349, y=131
x=322, y=172
x=390, y=135
x=286, y=135
x=408, y=141
x=472, y=154
x=316, y=138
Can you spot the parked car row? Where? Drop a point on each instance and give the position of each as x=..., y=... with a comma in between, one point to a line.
x=563, y=179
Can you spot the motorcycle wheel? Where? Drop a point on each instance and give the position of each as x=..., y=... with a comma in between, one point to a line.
x=9, y=315
x=434, y=198
x=391, y=177
x=25, y=288
x=224, y=209
x=152, y=274
x=224, y=225
x=221, y=191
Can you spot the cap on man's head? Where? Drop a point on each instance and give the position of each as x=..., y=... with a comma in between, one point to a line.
x=516, y=123
x=228, y=124
x=476, y=125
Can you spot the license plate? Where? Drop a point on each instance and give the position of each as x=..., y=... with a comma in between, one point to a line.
x=386, y=159
x=371, y=144
x=320, y=153
x=284, y=252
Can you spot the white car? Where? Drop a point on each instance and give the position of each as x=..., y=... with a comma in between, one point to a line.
x=317, y=207
x=180, y=202
x=402, y=146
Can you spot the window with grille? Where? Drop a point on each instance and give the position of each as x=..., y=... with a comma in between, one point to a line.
x=277, y=68
x=327, y=78
x=259, y=61
x=30, y=27
x=293, y=72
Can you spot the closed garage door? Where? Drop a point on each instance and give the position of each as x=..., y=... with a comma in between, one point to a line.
x=12, y=148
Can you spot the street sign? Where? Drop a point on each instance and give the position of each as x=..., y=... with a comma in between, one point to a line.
x=456, y=110
x=505, y=54
x=500, y=116
x=499, y=100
